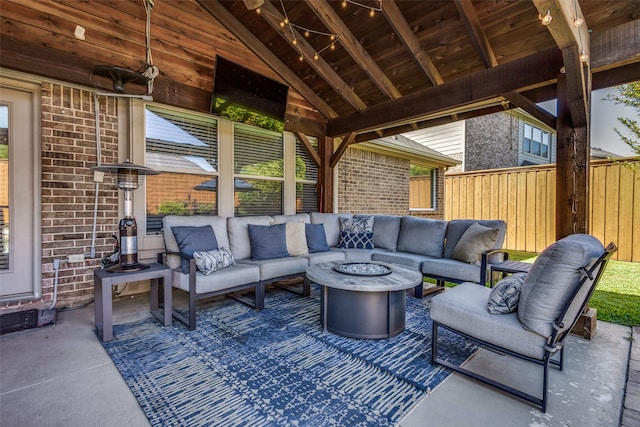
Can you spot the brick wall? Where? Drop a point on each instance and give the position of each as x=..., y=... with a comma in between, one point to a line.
x=372, y=183
x=494, y=134
x=68, y=190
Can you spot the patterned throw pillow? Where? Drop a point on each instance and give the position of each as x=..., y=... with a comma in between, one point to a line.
x=356, y=233
x=505, y=295
x=210, y=261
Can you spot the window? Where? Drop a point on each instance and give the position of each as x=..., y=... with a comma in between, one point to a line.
x=184, y=147
x=258, y=171
x=536, y=141
x=306, y=179
x=422, y=188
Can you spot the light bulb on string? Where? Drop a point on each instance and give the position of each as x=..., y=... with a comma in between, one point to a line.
x=583, y=56
x=316, y=56
x=372, y=13
x=546, y=18
x=578, y=22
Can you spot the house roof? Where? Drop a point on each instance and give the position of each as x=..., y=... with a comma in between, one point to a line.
x=418, y=154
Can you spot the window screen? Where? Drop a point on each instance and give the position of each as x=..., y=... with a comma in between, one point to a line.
x=184, y=147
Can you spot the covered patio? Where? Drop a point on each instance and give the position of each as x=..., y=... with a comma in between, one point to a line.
x=87, y=75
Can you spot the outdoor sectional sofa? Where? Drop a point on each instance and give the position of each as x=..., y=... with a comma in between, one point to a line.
x=253, y=255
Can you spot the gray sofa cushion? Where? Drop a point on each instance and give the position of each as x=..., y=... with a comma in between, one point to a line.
x=464, y=308
x=219, y=224
x=226, y=278
x=553, y=277
x=331, y=225
x=457, y=227
x=301, y=217
x=328, y=256
x=505, y=295
x=422, y=236
x=239, y=242
x=474, y=241
x=451, y=268
x=413, y=261
x=386, y=229
x=279, y=267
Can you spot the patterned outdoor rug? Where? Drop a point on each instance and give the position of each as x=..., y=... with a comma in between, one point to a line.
x=277, y=368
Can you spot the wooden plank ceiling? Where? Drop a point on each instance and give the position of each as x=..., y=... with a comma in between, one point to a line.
x=412, y=64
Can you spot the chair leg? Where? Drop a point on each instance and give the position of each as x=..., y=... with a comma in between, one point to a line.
x=417, y=291
x=259, y=296
x=434, y=342
x=192, y=311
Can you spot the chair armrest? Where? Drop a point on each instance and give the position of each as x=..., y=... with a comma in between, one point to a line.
x=485, y=262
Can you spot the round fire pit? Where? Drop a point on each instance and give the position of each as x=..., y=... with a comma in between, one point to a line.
x=363, y=269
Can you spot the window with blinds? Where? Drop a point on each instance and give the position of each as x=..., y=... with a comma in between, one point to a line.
x=184, y=147
x=306, y=179
x=258, y=171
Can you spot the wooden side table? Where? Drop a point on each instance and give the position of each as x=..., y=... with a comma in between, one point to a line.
x=103, y=282
x=508, y=267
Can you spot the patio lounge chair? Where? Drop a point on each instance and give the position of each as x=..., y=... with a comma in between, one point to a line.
x=552, y=296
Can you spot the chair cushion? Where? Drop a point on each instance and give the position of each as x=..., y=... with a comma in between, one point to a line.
x=331, y=224
x=316, y=238
x=193, y=238
x=268, y=241
x=239, y=242
x=474, y=241
x=422, y=236
x=210, y=261
x=553, y=278
x=296, y=238
x=356, y=233
x=464, y=308
x=505, y=295
x=385, y=231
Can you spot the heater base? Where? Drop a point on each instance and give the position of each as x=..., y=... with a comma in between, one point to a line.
x=119, y=268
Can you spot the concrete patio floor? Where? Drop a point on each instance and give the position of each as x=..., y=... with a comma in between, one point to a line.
x=61, y=376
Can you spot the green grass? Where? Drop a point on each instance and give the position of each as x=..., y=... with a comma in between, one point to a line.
x=617, y=296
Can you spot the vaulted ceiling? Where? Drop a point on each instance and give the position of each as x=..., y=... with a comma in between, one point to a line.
x=412, y=64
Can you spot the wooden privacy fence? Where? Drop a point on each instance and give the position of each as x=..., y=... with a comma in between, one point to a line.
x=525, y=197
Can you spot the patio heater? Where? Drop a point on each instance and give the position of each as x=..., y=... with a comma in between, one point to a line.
x=129, y=177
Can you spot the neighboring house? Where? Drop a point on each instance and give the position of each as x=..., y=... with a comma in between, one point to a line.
x=513, y=138
x=373, y=177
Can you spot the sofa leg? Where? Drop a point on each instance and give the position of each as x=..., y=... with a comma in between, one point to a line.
x=417, y=291
x=259, y=296
x=306, y=287
x=192, y=311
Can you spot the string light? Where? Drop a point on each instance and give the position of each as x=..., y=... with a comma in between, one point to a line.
x=546, y=18
x=285, y=22
x=583, y=56
x=578, y=22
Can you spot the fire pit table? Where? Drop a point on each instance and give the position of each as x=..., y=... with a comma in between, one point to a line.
x=363, y=299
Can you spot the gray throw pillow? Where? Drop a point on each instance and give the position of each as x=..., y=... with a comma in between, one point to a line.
x=474, y=241
x=210, y=261
x=505, y=295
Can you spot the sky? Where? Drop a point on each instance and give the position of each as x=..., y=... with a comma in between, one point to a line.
x=604, y=119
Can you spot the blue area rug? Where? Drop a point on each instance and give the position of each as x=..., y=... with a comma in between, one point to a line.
x=277, y=368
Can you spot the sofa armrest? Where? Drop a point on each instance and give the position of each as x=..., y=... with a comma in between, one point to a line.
x=484, y=263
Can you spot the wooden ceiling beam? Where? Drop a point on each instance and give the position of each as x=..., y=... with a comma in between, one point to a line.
x=530, y=107
x=474, y=28
x=535, y=70
x=308, y=147
x=274, y=18
x=411, y=42
x=574, y=42
x=346, y=142
x=349, y=42
x=218, y=11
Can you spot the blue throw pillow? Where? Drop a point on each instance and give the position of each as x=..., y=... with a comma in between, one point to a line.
x=268, y=241
x=356, y=240
x=316, y=238
x=191, y=239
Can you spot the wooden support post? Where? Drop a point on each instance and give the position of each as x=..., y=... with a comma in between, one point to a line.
x=325, y=175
